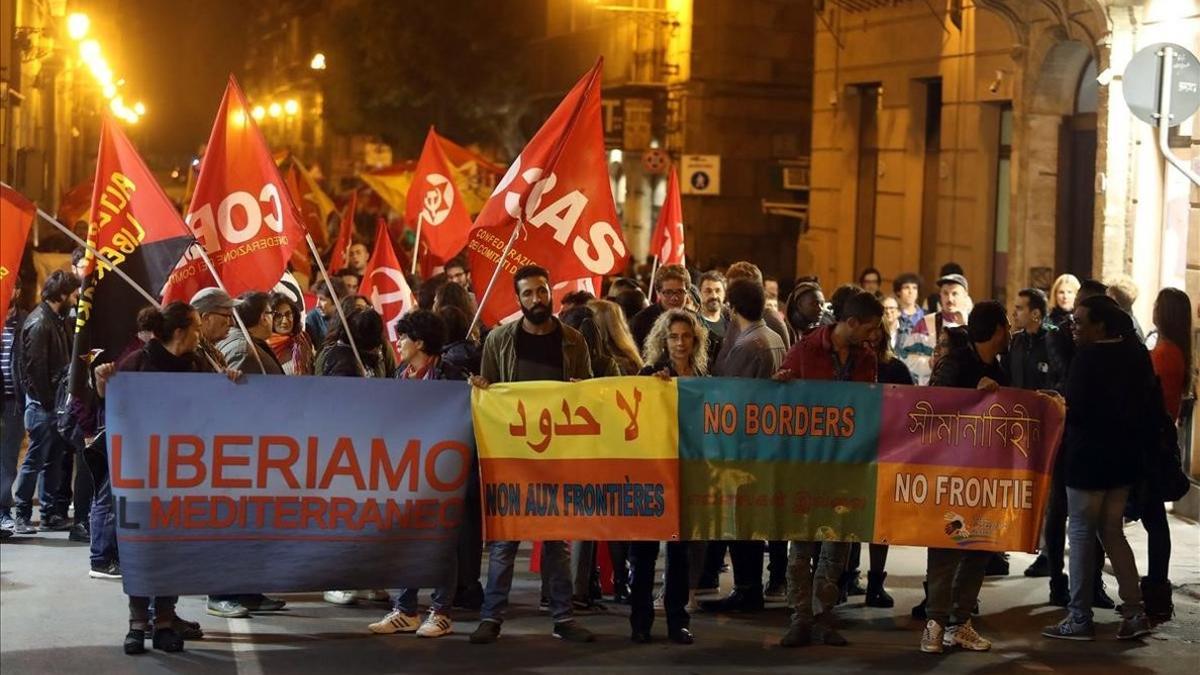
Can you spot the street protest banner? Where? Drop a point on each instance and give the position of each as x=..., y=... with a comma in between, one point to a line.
x=917, y=466
x=264, y=486
x=758, y=459
x=590, y=460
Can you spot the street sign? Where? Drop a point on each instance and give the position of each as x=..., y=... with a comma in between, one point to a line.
x=700, y=174
x=656, y=161
x=1142, y=83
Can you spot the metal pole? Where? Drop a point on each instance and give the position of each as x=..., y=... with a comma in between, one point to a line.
x=495, y=274
x=337, y=303
x=416, y=246
x=253, y=348
x=1166, y=60
x=653, y=271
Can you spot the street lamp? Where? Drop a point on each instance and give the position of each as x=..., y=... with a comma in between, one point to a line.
x=318, y=61
x=274, y=110
x=291, y=106
x=77, y=25
x=139, y=108
x=258, y=113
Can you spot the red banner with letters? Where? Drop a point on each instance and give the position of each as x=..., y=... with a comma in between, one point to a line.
x=557, y=192
x=241, y=212
x=16, y=215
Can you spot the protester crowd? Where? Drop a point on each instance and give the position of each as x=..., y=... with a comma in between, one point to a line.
x=1078, y=343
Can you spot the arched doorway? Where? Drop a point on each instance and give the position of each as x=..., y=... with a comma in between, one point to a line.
x=1075, y=232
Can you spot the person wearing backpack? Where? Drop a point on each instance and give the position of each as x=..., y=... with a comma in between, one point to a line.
x=45, y=353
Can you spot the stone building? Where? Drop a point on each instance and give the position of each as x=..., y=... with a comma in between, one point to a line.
x=994, y=133
x=706, y=77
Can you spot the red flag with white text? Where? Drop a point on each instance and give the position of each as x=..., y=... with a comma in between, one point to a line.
x=667, y=241
x=384, y=284
x=558, y=191
x=16, y=217
x=436, y=210
x=241, y=210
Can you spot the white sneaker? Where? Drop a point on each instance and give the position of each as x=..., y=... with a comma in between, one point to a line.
x=965, y=636
x=396, y=622
x=339, y=597
x=435, y=625
x=373, y=596
x=931, y=639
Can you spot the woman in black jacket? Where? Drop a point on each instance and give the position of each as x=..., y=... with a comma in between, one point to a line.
x=176, y=330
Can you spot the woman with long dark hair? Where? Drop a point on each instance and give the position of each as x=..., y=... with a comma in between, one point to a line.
x=288, y=339
x=1172, y=361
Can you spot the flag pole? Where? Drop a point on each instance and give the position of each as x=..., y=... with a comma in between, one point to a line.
x=251, y=347
x=495, y=274
x=653, y=271
x=99, y=256
x=337, y=302
x=417, y=249
x=112, y=266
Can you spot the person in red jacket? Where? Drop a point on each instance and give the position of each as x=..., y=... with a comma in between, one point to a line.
x=838, y=352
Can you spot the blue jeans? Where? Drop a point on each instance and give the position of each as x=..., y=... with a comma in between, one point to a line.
x=406, y=600
x=103, y=523
x=556, y=579
x=1092, y=512
x=46, y=448
x=12, y=432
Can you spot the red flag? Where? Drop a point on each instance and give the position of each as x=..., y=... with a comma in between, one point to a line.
x=300, y=261
x=667, y=241
x=435, y=208
x=134, y=225
x=16, y=217
x=558, y=188
x=341, y=248
x=384, y=284
x=241, y=211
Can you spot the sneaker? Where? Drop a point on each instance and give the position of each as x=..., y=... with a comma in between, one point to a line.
x=21, y=525
x=485, y=633
x=54, y=524
x=339, y=597
x=1134, y=628
x=258, y=602
x=965, y=636
x=396, y=622
x=227, y=609
x=7, y=522
x=1070, y=630
x=776, y=592
x=797, y=635
x=736, y=601
x=1040, y=567
x=932, y=638
x=544, y=604
x=372, y=595
x=586, y=606
x=572, y=632
x=435, y=625
x=110, y=570
x=79, y=533
x=1100, y=599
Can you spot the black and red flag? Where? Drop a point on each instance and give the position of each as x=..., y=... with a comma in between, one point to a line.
x=134, y=226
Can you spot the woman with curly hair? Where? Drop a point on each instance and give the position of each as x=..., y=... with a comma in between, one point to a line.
x=288, y=340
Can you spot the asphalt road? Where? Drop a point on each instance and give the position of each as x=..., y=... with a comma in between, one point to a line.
x=54, y=619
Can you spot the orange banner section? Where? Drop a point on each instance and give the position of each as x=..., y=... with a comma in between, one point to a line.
x=581, y=499
x=978, y=508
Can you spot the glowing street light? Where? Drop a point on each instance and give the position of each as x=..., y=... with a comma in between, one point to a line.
x=89, y=51
x=77, y=25
x=259, y=112
x=274, y=110
x=291, y=107
x=318, y=61
x=139, y=108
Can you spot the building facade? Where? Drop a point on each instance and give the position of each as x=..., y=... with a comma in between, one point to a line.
x=994, y=133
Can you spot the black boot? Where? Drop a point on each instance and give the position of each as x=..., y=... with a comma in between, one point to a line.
x=854, y=585
x=1040, y=567
x=877, y=596
x=135, y=641
x=1157, y=597
x=997, y=565
x=1060, y=591
x=918, y=612
x=1100, y=599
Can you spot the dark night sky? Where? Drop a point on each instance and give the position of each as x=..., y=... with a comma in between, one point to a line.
x=176, y=57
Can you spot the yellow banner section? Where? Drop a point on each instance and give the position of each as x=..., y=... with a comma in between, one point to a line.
x=607, y=418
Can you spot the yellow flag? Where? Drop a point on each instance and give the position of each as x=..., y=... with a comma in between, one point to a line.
x=324, y=204
x=392, y=188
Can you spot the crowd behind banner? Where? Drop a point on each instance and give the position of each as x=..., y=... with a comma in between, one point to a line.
x=543, y=296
